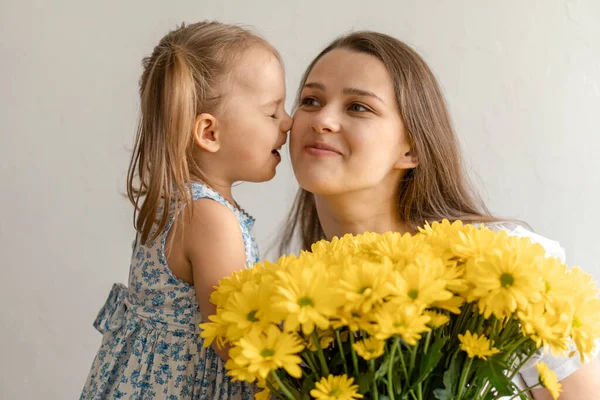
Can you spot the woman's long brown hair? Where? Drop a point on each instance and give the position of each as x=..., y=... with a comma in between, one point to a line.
x=439, y=187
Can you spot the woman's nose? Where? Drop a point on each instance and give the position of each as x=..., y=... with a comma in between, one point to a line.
x=326, y=121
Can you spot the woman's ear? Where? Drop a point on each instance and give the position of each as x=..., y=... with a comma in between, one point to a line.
x=407, y=160
x=206, y=133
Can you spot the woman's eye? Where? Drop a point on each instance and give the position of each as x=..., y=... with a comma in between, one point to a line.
x=309, y=101
x=358, y=108
x=274, y=116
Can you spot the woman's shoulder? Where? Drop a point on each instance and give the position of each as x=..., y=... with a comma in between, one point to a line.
x=552, y=247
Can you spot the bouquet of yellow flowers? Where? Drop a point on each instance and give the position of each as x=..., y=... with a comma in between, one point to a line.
x=452, y=312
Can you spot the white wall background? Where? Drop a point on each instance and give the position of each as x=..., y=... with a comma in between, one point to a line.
x=522, y=78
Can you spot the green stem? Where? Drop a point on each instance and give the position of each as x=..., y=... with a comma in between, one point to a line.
x=404, y=367
x=320, y=353
x=274, y=391
x=494, y=328
x=282, y=386
x=372, y=369
x=463, y=378
x=516, y=370
x=341, y=347
x=354, y=358
x=523, y=392
x=413, y=357
x=427, y=340
x=390, y=383
x=310, y=361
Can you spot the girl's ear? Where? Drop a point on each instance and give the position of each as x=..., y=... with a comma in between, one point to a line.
x=206, y=133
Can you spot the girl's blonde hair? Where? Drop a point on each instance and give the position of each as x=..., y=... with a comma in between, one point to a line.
x=438, y=188
x=181, y=79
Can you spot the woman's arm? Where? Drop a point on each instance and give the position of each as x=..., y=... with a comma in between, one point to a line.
x=583, y=384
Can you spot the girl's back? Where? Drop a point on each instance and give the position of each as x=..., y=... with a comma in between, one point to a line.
x=151, y=346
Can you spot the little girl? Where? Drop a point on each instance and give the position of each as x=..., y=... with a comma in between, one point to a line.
x=212, y=113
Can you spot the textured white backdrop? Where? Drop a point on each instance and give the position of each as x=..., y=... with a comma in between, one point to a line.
x=522, y=79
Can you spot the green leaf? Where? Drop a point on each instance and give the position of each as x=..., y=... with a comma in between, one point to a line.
x=430, y=360
x=383, y=369
x=307, y=386
x=450, y=380
x=364, y=382
x=493, y=370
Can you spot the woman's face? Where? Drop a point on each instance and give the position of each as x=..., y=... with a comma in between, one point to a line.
x=347, y=134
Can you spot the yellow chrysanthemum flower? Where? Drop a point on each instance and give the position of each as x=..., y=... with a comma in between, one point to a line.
x=586, y=286
x=585, y=326
x=477, y=345
x=546, y=328
x=369, y=348
x=443, y=236
x=549, y=380
x=325, y=339
x=249, y=308
x=453, y=304
x=305, y=296
x=233, y=283
x=282, y=264
x=336, y=388
x=557, y=286
x=266, y=352
x=354, y=320
x=214, y=330
x=437, y=319
x=363, y=284
x=265, y=394
x=406, y=321
x=419, y=283
x=473, y=242
x=334, y=249
x=237, y=366
x=400, y=249
x=506, y=278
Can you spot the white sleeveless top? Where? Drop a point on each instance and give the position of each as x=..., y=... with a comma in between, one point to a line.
x=561, y=366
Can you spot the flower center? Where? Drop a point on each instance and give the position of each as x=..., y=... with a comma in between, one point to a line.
x=506, y=280
x=413, y=294
x=252, y=316
x=335, y=392
x=365, y=290
x=267, y=353
x=305, y=301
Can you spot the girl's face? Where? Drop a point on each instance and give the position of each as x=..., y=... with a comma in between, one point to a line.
x=254, y=124
x=347, y=134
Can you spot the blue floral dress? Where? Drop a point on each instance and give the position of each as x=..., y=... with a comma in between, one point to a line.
x=151, y=348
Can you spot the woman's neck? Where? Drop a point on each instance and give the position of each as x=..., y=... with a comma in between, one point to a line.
x=359, y=212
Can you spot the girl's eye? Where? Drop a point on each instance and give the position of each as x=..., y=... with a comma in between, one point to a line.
x=309, y=101
x=358, y=108
x=274, y=116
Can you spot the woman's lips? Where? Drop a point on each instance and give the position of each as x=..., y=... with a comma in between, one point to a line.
x=322, y=149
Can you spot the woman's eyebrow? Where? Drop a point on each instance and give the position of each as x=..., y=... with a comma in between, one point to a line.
x=315, y=85
x=361, y=92
x=355, y=91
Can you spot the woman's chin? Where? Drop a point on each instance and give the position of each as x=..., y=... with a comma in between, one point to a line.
x=320, y=186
